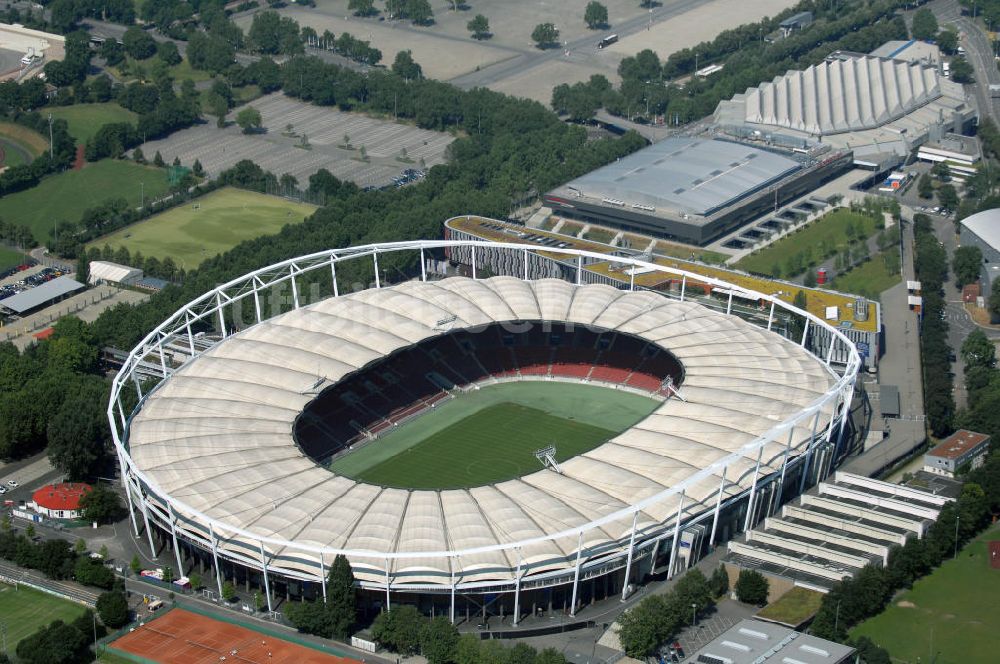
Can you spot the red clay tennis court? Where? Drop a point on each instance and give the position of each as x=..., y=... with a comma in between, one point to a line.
x=182, y=637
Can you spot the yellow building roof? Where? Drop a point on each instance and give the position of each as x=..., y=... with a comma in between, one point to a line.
x=818, y=302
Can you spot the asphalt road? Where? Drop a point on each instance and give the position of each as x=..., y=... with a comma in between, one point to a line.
x=529, y=59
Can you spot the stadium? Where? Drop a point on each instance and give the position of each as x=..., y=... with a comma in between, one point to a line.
x=483, y=441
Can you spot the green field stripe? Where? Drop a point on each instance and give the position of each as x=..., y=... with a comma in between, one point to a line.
x=490, y=434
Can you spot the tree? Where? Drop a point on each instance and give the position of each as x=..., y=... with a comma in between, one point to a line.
x=195, y=579
x=92, y=572
x=479, y=26
x=101, y=505
x=228, y=591
x=420, y=12
x=966, y=264
x=58, y=643
x=751, y=587
x=341, y=597
x=719, y=581
x=438, y=640
x=138, y=43
x=810, y=279
x=135, y=565
x=948, y=197
x=362, y=7
x=941, y=171
x=545, y=35
x=103, y=552
x=642, y=628
x=77, y=432
x=288, y=183
x=961, y=71
x=167, y=51
x=80, y=546
x=947, y=41
x=249, y=119
x=978, y=351
x=595, y=15
x=158, y=160
x=925, y=186
x=925, y=25
x=406, y=67
x=197, y=168
x=112, y=607
x=168, y=574
x=399, y=629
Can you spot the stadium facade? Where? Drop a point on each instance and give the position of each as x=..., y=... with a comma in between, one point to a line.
x=212, y=463
x=695, y=189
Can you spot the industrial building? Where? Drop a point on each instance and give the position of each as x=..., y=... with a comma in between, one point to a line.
x=859, y=319
x=833, y=533
x=961, y=451
x=880, y=108
x=760, y=642
x=983, y=230
x=695, y=189
x=911, y=50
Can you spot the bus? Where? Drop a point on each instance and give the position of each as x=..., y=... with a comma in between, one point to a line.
x=608, y=41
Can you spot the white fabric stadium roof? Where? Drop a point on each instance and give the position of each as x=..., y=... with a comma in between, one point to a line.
x=217, y=435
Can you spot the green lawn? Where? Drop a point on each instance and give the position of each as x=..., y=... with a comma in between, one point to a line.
x=808, y=243
x=25, y=610
x=949, y=616
x=10, y=258
x=871, y=277
x=85, y=119
x=794, y=607
x=64, y=197
x=208, y=226
x=490, y=435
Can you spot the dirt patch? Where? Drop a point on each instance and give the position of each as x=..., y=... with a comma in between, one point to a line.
x=905, y=604
x=79, y=161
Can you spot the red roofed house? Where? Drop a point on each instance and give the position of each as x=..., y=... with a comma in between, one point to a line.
x=60, y=501
x=961, y=451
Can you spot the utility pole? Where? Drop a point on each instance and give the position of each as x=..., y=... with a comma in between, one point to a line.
x=50, y=137
x=957, y=517
x=142, y=196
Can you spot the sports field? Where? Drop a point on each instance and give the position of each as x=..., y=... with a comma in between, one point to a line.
x=947, y=617
x=208, y=226
x=490, y=435
x=64, y=197
x=85, y=119
x=24, y=610
x=10, y=258
x=183, y=637
x=20, y=145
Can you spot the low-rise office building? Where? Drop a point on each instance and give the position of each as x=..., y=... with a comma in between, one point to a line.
x=962, y=450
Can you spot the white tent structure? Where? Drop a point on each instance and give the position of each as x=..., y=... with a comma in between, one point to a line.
x=113, y=273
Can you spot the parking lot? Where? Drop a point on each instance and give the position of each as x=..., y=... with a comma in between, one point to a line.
x=26, y=279
x=390, y=147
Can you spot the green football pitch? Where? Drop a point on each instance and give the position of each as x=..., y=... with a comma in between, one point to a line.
x=491, y=434
x=948, y=616
x=24, y=610
x=208, y=226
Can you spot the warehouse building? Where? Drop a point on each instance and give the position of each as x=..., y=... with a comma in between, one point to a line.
x=880, y=108
x=695, y=189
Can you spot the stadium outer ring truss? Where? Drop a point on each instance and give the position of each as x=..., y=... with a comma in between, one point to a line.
x=181, y=520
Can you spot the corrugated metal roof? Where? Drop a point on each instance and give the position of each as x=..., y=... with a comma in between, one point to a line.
x=35, y=297
x=691, y=175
